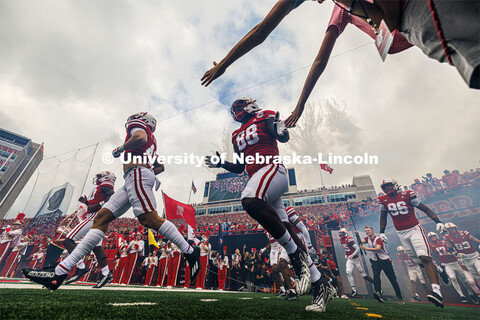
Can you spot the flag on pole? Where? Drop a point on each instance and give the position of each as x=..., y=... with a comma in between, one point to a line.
x=220, y=240
x=177, y=210
x=151, y=239
x=193, y=188
x=326, y=167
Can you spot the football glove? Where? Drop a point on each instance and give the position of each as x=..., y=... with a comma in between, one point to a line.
x=279, y=126
x=210, y=164
x=383, y=237
x=118, y=151
x=441, y=228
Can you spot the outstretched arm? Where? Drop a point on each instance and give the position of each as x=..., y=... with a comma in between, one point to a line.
x=316, y=71
x=252, y=39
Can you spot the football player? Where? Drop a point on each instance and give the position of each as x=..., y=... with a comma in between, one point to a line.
x=137, y=192
x=400, y=205
x=462, y=242
x=104, y=185
x=299, y=227
x=414, y=272
x=279, y=263
x=445, y=253
x=262, y=196
x=352, y=257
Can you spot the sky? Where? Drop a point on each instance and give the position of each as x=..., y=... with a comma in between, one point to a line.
x=71, y=72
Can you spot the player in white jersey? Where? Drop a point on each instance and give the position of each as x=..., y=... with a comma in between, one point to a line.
x=137, y=193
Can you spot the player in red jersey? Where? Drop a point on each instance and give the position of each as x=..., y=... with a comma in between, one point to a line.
x=103, y=190
x=137, y=193
x=262, y=197
x=445, y=254
x=400, y=205
x=462, y=241
x=352, y=257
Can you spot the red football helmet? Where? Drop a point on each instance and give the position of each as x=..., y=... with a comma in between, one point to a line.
x=242, y=107
x=390, y=187
x=451, y=228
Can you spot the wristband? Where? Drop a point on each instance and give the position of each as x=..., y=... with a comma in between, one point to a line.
x=121, y=148
x=436, y=220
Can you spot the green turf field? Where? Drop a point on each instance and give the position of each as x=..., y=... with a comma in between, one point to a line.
x=93, y=304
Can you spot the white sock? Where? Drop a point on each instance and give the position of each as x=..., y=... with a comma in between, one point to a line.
x=282, y=288
x=91, y=239
x=436, y=289
x=287, y=242
x=81, y=264
x=169, y=231
x=316, y=275
x=456, y=286
x=439, y=270
x=105, y=271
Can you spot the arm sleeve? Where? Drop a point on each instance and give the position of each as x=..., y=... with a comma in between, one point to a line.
x=357, y=250
x=339, y=19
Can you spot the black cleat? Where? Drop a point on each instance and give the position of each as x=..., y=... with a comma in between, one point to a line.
x=291, y=296
x=377, y=296
x=444, y=276
x=303, y=278
x=474, y=299
x=193, y=260
x=78, y=274
x=436, y=299
x=464, y=299
x=47, y=277
x=281, y=294
x=105, y=279
x=322, y=293
x=354, y=294
x=416, y=297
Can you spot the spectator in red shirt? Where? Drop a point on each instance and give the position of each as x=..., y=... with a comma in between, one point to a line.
x=450, y=180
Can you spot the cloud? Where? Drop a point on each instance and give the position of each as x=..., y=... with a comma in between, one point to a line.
x=72, y=72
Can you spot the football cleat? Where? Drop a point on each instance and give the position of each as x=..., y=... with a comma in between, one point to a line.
x=281, y=294
x=416, y=297
x=291, y=296
x=105, y=279
x=354, y=294
x=78, y=274
x=321, y=294
x=193, y=260
x=474, y=299
x=47, y=278
x=444, y=276
x=377, y=296
x=464, y=299
x=303, y=278
x=436, y=299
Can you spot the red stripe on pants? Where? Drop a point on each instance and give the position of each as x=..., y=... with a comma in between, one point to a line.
x=203, y=271
x=162, y=267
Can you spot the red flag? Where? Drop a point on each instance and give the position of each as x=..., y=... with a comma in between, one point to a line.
x=178, y=210
x=326, y=167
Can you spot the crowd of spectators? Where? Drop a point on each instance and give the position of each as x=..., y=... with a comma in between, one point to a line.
x=228, y=188
x=430, y=185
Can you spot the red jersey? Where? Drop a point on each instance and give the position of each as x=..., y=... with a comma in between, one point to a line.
x=253, y=138
x=149, y=148
x=441, y=250
x=97, y=196
x=405, y=258
x=401, y=208
x=461, y=242
x=331, y=264
x=347, y=244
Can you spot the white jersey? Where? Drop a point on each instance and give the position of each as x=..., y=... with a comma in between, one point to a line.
x=11, y=236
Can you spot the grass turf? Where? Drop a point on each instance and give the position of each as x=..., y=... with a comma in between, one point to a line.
x=93, y=304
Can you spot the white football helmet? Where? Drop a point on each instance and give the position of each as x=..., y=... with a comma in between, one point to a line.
x=392, y=190
x=400, y=248
x=243, y=106
x=451, y=227
x=343, y=231
x=104, y=176
x=432, y=234
x=145, y=117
